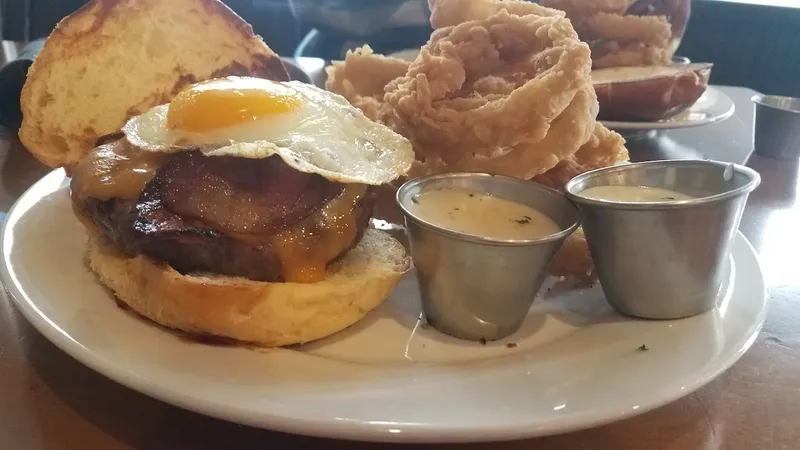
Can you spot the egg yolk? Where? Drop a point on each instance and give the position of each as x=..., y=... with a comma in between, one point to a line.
x=224, y=102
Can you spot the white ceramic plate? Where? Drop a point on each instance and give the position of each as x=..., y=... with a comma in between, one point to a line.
x=574, y=364
x=713, y=106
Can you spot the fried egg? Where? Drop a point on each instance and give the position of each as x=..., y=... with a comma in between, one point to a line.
x=312, y=130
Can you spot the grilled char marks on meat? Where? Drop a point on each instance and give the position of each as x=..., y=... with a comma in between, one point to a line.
x=221, y=214
x=191, y=246
x=188, y=246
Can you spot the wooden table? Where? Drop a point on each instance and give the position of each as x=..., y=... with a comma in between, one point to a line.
x=49, y=401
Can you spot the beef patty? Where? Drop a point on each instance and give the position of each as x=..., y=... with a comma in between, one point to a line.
x=223, y=215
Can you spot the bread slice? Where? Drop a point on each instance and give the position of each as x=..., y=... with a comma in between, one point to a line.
x=113, y=59
x=266, y=314
x=644, y=93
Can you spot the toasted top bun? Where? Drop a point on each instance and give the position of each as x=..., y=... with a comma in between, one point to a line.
x=255, y=312
x=114, y=59
x=648, y=92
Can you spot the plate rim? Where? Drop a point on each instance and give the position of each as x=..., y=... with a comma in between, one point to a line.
x=648, y=126
x=351, y=430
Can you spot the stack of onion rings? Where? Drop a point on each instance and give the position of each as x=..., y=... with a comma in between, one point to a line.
x=627, y=32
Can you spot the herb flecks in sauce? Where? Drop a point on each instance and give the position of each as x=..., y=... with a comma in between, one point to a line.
x=524, y=221
x=483, y=215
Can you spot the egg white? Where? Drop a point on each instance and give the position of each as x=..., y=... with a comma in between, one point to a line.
x=325, y=135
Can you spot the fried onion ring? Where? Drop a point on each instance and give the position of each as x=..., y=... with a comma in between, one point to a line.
x=648, y=30
x=604, y=148
x=612, y=54
x=492, y=89
x=573, y=260
x=362, y=77
x=569, y=130
x=643, y=32
x=676, y=11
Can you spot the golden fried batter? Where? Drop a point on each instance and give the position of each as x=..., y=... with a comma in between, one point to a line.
x=604, y=148
x=628, y=32
x=362, y=77
x=490, y=95
x=573, y=259
x=612, y=54
x=648, y=30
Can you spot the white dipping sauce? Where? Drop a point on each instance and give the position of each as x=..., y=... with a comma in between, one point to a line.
x=641, y=194
x=479, y=214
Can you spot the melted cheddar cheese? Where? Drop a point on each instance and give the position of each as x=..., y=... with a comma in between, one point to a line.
x=116, y=170
x=306, y=248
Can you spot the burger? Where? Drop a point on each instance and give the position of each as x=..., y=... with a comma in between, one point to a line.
x=219, y=198
x=241, y=209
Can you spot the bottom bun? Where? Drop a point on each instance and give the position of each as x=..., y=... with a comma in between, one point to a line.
x=266, y=314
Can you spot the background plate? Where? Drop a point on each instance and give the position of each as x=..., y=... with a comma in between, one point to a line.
x=713, y=106
x=574, y=364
